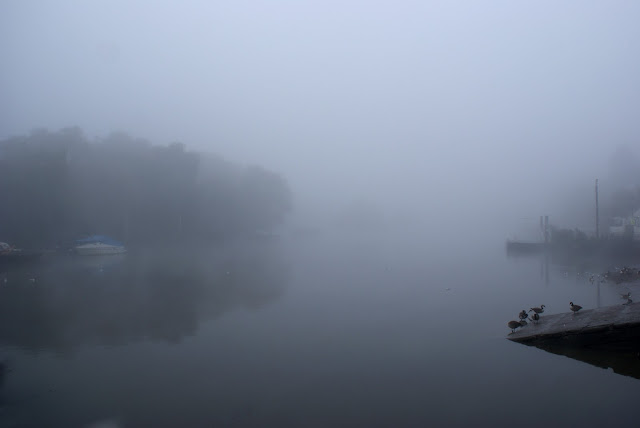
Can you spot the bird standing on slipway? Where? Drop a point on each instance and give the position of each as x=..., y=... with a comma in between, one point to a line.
x=574, y=308
x=523, y=315
x=513, y=325
x=537, y=310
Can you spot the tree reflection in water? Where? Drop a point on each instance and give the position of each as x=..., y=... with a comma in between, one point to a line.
x=159, y=295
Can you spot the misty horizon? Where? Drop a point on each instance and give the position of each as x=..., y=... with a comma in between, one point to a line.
x=319, y=213
x=427, y=110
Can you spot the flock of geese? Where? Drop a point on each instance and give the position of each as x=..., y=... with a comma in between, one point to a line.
x=535, y=317
x=523, y=315
x=619, y=275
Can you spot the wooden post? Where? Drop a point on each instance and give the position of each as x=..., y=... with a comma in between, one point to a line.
x=126, y=227
x=597, y=219
x=546, y=229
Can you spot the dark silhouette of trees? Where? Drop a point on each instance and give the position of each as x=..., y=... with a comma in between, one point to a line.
x=58, y=186
x=624, y=202
x=623, y=199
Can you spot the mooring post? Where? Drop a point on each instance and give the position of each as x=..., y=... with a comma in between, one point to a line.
x=597, y=219
x=542, y=228
x=546, y=229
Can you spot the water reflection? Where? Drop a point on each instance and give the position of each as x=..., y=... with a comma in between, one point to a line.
x=67, y=301
x=625, y=362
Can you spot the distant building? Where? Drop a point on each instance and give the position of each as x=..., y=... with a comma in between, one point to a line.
x=626, y=226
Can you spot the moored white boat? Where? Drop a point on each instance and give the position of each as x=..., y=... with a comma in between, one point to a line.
x=98, y=245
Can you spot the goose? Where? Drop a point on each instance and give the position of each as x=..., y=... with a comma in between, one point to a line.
x=625, y=296
x=537, y=310
x=535, y=317
x=523, y=315
x=574, y=308
x=513, y=325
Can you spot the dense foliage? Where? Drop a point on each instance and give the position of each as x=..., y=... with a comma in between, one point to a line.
x=58, y=186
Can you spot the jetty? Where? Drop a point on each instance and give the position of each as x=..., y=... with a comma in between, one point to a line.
x=607, y=337
x=614, y=327
x=520, y=247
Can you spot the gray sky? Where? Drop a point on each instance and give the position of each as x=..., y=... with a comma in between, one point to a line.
x=443, y=109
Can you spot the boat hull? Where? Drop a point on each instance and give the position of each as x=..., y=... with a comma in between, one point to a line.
x=19, y=257
x=99, y=249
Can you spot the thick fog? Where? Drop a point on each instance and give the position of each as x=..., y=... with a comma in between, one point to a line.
x=252, y=213
x=473, y=115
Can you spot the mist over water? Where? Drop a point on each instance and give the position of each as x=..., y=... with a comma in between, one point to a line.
x=335, y=329
x=314, y=198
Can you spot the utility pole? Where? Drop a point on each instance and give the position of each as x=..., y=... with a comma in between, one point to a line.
x=597, y=217
x=542, y=232
x=546, y=229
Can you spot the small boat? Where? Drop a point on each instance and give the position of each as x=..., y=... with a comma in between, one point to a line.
x=99, y=245
x=10, y=254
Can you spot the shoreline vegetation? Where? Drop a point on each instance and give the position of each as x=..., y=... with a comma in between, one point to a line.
x=571, y=246
x=58, y=186
x=597, y=255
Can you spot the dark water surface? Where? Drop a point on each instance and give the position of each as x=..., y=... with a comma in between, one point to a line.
x=331, y=330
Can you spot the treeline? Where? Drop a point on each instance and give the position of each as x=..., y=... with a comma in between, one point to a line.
x=58, y=186
x=624, y=182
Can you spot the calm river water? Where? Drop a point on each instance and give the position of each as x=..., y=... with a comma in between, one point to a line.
x=315, y=331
